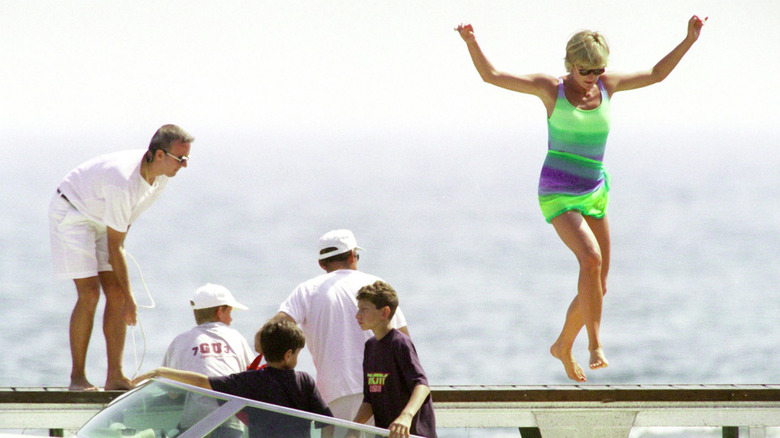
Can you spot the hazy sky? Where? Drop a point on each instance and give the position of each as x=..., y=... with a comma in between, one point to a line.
x=340, y=67
x=106, y=74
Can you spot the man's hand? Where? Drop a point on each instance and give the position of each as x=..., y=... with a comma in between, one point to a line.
x=130, y=311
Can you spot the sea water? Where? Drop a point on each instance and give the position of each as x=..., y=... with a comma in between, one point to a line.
x=452, y=223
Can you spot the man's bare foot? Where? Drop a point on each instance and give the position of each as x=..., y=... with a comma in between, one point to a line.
x=573, y=369
x=81, y=384
x=597, y=359
x=121, y=383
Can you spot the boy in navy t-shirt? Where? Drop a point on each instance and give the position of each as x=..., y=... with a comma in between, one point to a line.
x=395, y=389
x=278, y=383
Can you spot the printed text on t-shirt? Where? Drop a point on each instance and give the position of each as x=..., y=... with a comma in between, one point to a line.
x=212, y=348
x=376, y=381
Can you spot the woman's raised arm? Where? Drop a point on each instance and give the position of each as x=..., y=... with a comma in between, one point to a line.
x=629, y=81
x=543, y=86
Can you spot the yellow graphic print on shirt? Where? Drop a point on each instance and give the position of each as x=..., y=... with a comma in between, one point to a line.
x=376, y=381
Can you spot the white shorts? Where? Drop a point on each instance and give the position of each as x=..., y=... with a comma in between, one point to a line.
x=347, y=407
x=79, y=245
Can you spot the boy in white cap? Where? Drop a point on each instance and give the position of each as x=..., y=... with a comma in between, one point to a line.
x=325, y=307
x=212, y=347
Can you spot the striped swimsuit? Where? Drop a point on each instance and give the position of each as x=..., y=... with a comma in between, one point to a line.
x=573, y=176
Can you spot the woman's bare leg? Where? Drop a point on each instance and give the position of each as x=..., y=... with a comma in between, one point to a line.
x=585, y=309
x=561, y=349
x=600, y=228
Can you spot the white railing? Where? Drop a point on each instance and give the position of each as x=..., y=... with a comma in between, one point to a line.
x=582, y=411
x=575, y=411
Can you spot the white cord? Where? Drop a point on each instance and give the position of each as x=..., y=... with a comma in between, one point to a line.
x=138, y=318
x=141, y=276
x=135, y=349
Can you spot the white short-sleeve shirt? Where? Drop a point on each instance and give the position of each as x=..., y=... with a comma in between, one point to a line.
x=325, y=307
x=109, y=189
x=211, y=348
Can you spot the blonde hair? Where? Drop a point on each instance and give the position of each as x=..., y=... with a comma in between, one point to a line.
x=209, y=314
x=587, y=49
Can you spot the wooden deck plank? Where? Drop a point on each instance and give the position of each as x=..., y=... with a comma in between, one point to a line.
x=607, y=393
x=482, y=393
x=545, y=406
x=56, y=395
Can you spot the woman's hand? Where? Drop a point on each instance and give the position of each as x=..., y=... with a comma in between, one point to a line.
x=466, y=32
x=694, y=27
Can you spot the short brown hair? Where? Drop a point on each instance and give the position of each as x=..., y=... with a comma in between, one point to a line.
x=379, y=294
x=165, y=137
x=278, y=337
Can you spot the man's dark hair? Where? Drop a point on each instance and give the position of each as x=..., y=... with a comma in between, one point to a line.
x=164, y=138
x=343, y=257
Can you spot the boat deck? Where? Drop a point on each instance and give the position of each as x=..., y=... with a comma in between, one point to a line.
x=552, y=410
x=606, y=393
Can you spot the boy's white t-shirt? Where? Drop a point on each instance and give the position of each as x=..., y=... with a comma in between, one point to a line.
x=109, y=189
x=211, y=348
x=325, y=307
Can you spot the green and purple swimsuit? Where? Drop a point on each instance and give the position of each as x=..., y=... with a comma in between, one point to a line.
x=573, y=176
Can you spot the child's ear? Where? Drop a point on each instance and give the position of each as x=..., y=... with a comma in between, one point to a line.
x=386, y=312
x=288, y=354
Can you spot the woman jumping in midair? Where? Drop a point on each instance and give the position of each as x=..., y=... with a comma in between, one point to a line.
x=573, y=186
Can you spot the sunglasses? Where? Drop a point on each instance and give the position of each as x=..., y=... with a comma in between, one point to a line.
x=182, y=160
x=594, y=71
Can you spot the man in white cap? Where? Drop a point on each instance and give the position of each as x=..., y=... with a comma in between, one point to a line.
x=212, y=348
x=325, y=307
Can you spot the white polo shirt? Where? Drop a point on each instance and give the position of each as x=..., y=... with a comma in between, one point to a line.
x=325, y=307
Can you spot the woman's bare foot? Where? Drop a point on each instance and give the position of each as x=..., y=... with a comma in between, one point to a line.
x=81, y=384
x=121, y=383
x=597, y=359
x=573, y=369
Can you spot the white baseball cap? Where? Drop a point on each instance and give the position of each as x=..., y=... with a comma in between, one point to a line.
x=214, y=295
x=338, y=242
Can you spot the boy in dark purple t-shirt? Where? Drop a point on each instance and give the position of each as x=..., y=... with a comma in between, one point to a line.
x=395, y=389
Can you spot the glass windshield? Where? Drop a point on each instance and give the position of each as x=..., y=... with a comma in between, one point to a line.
x=155, y=410
x=165, y=409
